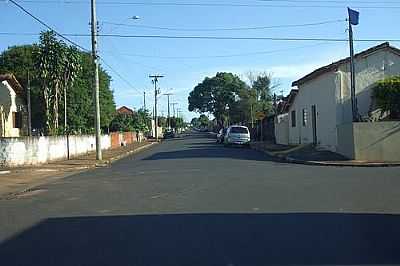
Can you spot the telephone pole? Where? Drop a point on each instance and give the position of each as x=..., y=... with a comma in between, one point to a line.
x=156, y=92
x=96, y=80
x=353, y=20
x=169, y=116
x=173, y=108
x=28, y=96
x=144, y=100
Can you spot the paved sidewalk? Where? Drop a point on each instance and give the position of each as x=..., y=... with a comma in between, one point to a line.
x=307, y=154
x=21, y=179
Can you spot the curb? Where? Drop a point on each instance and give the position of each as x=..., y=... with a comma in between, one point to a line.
x=289, y=159
x=108, y=162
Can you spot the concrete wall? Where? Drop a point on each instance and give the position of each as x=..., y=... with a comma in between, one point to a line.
x=37, y=150
x=9, y=103
x=282, y=129
x=378, y=141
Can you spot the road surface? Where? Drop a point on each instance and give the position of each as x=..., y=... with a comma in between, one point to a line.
x=189, y=201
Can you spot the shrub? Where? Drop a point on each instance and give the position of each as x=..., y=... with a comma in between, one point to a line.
x=387, y=96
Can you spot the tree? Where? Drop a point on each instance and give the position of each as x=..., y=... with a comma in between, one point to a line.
x=50, y=61
x=20, y=60
x=217, y=95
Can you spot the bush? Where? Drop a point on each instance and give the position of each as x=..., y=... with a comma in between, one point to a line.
x=387, y=96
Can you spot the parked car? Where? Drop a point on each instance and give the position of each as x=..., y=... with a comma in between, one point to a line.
x=237, y=135
x=221, y=135
x=169, y=134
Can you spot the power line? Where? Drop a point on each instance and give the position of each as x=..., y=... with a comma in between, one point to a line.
x=229, y=29
x=214, y=37
x=63, y=36
x=47, y=26
x=245, y=38
x=372, y=5
x=222, y=56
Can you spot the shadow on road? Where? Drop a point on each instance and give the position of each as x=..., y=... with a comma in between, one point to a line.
x=210, y=151
x=208, y=239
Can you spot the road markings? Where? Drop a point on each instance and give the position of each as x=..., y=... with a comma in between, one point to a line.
x=159, y=196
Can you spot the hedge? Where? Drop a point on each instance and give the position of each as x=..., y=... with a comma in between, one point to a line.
x=387, y=96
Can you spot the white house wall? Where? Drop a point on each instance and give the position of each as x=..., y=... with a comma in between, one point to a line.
x=330, y=92
x=320, y=92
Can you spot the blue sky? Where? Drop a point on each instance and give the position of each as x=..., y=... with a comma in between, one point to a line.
x=180, y=59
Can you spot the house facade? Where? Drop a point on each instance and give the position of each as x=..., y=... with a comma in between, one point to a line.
x=323, y=101
x=13, y=108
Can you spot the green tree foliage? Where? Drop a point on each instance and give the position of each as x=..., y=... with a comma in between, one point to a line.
x=139, y=121
x=217, y=95
x=387, y=96
x=21, y=59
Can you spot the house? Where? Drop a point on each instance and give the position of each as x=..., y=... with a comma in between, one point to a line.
x=282, y=118
x=125, y=110
x=13, y=108
x=323, y=100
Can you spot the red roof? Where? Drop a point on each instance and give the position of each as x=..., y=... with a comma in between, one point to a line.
x=125, y=110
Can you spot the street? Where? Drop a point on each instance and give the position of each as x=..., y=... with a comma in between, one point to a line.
x=190, y=201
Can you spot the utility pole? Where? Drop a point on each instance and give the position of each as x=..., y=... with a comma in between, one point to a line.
x=96, y=80
x=173, y=108
x=156, y=92
x=28, y=96
x=353, y=20
x=169, y=116
x=144, y=100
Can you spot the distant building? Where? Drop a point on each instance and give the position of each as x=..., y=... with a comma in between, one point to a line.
x=13, y=108
x=125, y=111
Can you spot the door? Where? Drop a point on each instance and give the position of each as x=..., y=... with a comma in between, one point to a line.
x=314, y=123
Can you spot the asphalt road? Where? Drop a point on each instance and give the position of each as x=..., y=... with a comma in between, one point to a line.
x=189, y=201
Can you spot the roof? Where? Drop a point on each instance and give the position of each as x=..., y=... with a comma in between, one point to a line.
x=333, y=66
x=12, y=80
x=287, y=102
x=125, y=110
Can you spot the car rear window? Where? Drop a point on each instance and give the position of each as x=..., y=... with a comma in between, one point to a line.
x=241, y=130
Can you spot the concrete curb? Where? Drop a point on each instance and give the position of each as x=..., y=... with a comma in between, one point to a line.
x=289, y=159
x=124, y=155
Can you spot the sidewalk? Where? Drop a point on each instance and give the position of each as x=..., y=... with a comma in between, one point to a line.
x=307, y=154
x=18, y=180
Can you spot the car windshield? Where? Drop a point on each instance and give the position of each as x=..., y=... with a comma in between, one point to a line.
x=199, y=132
x=239, y=130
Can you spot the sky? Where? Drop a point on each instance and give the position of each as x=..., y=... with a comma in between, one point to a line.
x=186, y=62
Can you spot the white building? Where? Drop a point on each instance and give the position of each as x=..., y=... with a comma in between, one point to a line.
x=13, y=109
x=323, y=100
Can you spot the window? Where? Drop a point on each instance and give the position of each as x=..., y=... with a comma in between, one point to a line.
x=239, y=130
x=304, y=117
x=293, y=117
x=17, y=119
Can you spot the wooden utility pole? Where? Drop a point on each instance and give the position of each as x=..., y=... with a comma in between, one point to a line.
x=169, y=116
x=28, y=96
x=144, y=100
x=156, y=92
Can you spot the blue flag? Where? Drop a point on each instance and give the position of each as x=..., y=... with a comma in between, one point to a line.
x=353, y=16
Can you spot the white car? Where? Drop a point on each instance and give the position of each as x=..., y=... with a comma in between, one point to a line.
x=237, y=135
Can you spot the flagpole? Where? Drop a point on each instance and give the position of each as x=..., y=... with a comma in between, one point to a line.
x=354, y=110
